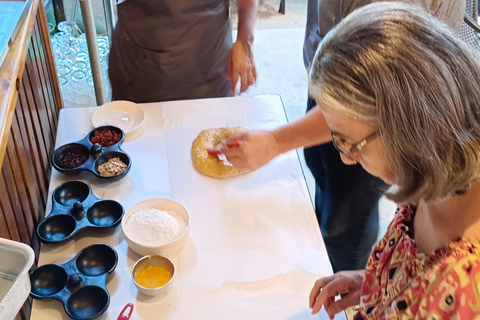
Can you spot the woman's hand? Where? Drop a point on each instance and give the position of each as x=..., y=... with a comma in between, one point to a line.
x=254, y=149
x=326, y=289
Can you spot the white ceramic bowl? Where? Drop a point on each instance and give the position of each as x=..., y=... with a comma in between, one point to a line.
x=148, y=261
x=125, y=115
x=169, y=249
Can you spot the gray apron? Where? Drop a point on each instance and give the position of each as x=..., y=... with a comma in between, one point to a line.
x=170, y=50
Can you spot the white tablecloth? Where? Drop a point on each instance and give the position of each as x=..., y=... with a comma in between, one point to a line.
x=254, y=249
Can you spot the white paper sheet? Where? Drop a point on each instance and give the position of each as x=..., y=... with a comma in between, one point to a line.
x=254, y=249
x=256, y=245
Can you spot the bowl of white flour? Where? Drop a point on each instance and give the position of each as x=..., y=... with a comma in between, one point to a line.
x=157, y=226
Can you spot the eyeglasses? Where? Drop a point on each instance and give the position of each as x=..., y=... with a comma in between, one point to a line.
x=349, y=149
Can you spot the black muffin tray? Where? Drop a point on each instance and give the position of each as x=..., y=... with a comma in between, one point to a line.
x=95, y=153
x=75, y=207
x=78, y=284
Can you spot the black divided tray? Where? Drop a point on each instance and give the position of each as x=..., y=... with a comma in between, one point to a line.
x=79, y=284
x=95, y=153
x=75, y=207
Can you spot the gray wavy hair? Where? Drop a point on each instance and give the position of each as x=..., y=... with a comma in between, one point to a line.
x=395, y=67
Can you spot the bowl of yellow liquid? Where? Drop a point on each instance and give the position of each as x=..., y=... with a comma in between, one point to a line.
x=153, y=275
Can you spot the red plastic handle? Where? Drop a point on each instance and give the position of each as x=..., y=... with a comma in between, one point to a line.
x=233, y=143
x=126, y=312
x=213, y=152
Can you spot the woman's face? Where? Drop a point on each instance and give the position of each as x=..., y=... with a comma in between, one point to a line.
x=349, y=132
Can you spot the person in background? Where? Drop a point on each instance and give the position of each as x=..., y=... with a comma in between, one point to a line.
x=174, y=49
x=346, y=197
x=399, y=93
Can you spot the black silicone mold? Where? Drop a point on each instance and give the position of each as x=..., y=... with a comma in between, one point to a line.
x=94, y=153
x=78, y=284
x=75, y=207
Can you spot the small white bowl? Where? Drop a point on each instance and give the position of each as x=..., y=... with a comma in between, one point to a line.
x=125, y=115
x=148, y=261
x=169, y=249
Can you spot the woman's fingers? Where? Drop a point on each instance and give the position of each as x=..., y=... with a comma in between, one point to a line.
x=254, y=148
x=237, y=162
x=326, y=289
x=330, y=290
x=317, y=287
x=235, y=155
x=231, y=151
x=327, y=305
x=240, y=137
x=226, y=144
x=349, y=300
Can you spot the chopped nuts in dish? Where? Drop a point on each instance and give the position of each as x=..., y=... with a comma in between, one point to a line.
x=112, y=167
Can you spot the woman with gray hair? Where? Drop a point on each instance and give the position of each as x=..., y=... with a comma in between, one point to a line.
x=400, y=95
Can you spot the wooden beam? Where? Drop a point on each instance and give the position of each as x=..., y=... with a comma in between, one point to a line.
x=11, y=75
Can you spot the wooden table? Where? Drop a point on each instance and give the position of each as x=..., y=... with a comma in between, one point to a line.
x=254, y=249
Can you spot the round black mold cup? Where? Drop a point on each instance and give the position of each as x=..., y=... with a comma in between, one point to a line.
x=88, y=302
x=60, y=153
x=71, y=192
x=109, y=155
x=75, y=207
x=106, y=213
x=47, y=281
x=56, y=228
x=96, y=260
x=80, y=283
x=111, y=128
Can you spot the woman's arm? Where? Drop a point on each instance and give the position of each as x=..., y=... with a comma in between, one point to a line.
x=257, y=148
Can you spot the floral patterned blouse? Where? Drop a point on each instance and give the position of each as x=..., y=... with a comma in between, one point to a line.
x=403, y=283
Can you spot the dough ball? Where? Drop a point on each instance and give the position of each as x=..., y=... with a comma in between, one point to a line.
x=210, y=165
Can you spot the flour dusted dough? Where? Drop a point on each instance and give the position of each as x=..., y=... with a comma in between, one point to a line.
x=210, y=165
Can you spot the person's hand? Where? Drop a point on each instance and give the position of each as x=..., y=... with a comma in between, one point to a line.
x=326, y=289
x=252, y=149
x=241, y=65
